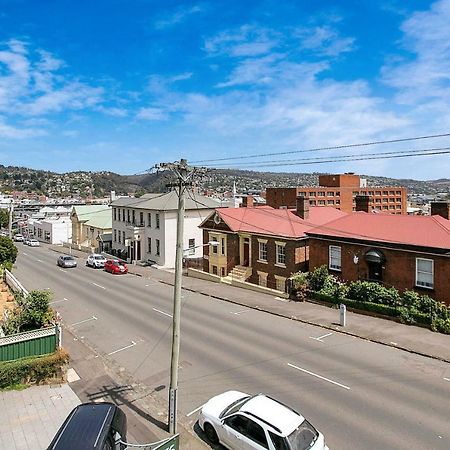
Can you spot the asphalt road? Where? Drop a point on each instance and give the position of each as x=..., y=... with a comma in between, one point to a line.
x=361, y=395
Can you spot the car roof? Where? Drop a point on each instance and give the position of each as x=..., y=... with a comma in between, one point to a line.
x=284, y=419
x=85, y=427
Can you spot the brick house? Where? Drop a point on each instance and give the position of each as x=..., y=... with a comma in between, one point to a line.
x=261, y=245
x=406, y=252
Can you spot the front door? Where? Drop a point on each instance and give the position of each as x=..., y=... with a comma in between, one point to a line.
x=246, y=252
x=375, y=271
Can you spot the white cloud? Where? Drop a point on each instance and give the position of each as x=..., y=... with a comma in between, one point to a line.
x=11, y=132
x=152, y=114
x=71, y=133
x=113, y=111
x=177, y=17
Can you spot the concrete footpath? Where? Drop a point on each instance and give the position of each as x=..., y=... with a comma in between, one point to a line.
x=24, y=414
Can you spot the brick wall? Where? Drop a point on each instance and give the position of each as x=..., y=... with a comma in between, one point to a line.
x=399, y=269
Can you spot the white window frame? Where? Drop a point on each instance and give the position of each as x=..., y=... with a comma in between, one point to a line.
x=423, y=284
x=261, y=257
x=280, y=245
x=332, y=264
x=191, y=246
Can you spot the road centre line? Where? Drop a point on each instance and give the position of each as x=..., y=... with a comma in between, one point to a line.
x=123, y=348
x=320, y=337
x=26, y=254
x=237, y=313
x=39, y=260
x=83, y=321
x=446, y=379
x=318, y=376
x=162, y=312
x=101, y=287
x=195, y=410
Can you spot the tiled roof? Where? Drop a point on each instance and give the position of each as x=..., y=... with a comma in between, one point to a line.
x=276, y=222
x=423, y=231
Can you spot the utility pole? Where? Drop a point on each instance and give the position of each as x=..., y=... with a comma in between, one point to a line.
x=11, y=210
x=184, y=175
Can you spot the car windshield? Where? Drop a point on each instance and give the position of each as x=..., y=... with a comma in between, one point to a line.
x=303, y=437
x=99, y=257
x=235, y=406
x=68, y=258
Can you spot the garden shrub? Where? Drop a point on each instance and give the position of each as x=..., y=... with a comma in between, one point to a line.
x=335, y=288
x=33, y=370
x=317, y=277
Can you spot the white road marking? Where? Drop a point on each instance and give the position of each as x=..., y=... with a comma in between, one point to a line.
x=72, y=375
x=123, y=348
x=162, y=312
x=26, y=254
x=62, y=270
x=237, y=313
x=59, y=301
x=101, y=287
x=39, y=260
x=83, y=321
x=320, y=337
x=393, y=343
x=195, y=410
x=447, y=379
x=318, y=376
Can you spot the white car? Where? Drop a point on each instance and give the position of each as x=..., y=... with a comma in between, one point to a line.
x=33, y=243
x=257, y=422
x=96, y=261
x=18, y=238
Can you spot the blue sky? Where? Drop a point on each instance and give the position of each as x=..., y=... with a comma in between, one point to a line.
x=123, y=85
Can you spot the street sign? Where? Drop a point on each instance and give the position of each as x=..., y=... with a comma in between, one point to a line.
x=172, y=444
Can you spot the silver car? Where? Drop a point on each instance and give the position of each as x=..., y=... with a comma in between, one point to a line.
x=66, y=261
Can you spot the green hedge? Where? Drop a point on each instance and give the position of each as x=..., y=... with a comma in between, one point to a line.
x=33, y=370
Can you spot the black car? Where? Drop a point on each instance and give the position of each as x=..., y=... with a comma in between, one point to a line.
x=92, y=426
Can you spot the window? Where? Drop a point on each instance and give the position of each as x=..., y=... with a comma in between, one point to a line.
x=424, y=272
x=302, y=194
x=330, y=194
x=391, y=192
x=157, y=220
x=330, y=202
x=281, y=254
x=370, y=193
x=398, y=192
x=115, y=213
x=149, y=245
x=192, y=246
x=133, y=217
x=149, y=219
x=215, y=250
x=158, y=250
x=312, y=194
x=398, y=200
x=385, y=192
x=222, y=246
x=334, y=257
x=115, y=235
x=214, y=269
x=321, y=202
x=263, y=251
x=141, y=219
x=377, y=192
x=128, y=215
x=312, y=202
x=123, y=215
x=278, y=441
x=255, y=432
x=321, y=194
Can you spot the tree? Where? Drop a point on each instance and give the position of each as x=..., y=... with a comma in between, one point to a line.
x=4, y=218
x=8, y=251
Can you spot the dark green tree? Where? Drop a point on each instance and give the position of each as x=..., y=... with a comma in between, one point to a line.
x=4, y=218
x=8, y=251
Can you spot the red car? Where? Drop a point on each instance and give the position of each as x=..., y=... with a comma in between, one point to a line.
x=116, y=266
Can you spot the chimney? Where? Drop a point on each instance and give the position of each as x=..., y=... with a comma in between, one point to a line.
x=112, y=196
x=302, y=207
x=441, y=209
x=247, y=202
x=362, y=203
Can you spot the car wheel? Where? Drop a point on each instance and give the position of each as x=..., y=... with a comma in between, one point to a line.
x=211, y=434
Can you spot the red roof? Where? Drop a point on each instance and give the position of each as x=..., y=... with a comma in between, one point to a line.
x=423, y=231
x=276, y=222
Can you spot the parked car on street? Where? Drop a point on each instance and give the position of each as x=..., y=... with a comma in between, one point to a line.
x=255, y=422
x=18, y=238
x=115, y=266
x=26, y=240
x=33, y=243
x=101, y=426
x=66, y=261
x=96, y=261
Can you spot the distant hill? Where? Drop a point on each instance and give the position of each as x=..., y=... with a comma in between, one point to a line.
x=99, y=184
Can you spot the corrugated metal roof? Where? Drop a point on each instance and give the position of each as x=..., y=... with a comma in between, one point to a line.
x=276, y=222
x=98, y=216
x=423, y=231
x=167, y=202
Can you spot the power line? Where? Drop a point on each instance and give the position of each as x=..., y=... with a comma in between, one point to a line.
x=318, y=149
x=343, y=158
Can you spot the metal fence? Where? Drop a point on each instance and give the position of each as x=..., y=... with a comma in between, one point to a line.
x=30, y=343
x=14, y=283
x=171, y=443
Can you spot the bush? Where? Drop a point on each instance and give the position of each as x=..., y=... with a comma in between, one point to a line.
x=368, y=291
x=8, y=251
x=316, y=278
x=335, y=288
x=441, y=325
x=410, y=299
x=33, y=370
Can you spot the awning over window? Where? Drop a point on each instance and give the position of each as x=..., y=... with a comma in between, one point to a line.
x=374, y=256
